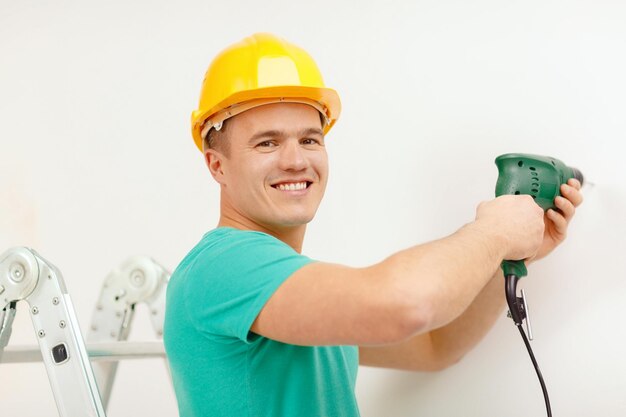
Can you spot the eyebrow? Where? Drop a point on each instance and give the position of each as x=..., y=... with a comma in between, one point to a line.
x=281, y=133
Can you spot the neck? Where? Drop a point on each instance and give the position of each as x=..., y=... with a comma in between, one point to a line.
x=291, y=235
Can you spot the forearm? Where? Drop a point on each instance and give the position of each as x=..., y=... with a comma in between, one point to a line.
x=454, y=340
x=440, y=279
x=439, y=348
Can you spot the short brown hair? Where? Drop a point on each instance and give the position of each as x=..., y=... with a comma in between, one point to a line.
x=218, y=139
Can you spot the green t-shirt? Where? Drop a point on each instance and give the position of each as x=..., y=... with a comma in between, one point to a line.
x=219, y=367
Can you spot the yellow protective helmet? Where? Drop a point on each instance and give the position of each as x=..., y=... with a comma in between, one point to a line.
x=261, y=69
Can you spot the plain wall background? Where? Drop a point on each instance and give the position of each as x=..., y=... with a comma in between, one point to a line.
x=97, y=164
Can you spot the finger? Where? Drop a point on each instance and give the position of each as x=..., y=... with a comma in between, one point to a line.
x=572, y=194
x=566, y=207
x=560, y=223
x=574, y=183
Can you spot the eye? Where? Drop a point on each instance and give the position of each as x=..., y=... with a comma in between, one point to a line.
x=310, y=141
x=266, y=144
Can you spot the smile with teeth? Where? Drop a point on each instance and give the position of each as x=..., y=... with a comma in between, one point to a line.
x=292, y=186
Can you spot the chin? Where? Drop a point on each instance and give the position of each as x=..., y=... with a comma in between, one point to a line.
x=296, y=220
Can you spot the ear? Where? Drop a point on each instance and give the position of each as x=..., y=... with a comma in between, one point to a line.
x=215, y=162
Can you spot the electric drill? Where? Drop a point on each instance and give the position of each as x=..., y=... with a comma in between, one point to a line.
x=540, y=177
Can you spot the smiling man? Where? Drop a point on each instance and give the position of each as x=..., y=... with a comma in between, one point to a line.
x=253, y=327
x=276, y=170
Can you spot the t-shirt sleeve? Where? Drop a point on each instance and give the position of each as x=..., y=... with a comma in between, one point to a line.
x=230, y=282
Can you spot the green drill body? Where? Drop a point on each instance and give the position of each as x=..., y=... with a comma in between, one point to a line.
x=538, y=176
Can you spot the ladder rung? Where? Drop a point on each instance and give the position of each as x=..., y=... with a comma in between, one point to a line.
x=97, y=351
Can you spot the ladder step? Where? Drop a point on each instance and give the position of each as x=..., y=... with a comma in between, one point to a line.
x=97, y=351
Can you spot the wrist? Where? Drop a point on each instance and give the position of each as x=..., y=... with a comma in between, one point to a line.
x=490, y=236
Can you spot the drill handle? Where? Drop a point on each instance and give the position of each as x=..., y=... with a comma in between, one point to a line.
x=517, y=268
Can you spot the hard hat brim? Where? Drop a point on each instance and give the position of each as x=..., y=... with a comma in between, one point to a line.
x=327, y=97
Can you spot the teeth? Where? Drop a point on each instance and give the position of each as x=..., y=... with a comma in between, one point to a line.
x=292, y=186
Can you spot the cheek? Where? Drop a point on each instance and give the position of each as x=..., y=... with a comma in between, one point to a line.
x=321, y=165
x=251, y=173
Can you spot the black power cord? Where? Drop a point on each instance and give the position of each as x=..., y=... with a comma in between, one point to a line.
x=532, y=358
x=518, y=313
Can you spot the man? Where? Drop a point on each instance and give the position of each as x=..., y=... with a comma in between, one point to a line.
x=254, y=328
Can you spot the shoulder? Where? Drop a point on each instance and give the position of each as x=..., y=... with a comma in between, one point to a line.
x=232, y=250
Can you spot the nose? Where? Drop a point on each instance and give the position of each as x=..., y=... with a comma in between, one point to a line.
x=292, y=156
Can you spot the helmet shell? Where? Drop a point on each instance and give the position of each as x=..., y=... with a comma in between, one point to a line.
x=261, y=67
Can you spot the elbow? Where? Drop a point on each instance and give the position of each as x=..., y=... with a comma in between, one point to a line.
x=392, y=321
x=415, y=318
x=398, y=310
x=398, y=314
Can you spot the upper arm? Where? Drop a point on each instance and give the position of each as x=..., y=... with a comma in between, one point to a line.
x=327, y=304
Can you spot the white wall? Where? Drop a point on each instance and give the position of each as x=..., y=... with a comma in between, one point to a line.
x=97, y=163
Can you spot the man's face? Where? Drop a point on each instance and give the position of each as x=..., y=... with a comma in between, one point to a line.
x=277, y=167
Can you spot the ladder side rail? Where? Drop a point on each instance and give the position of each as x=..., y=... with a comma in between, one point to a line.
x=138, y=279
x=156, y=303
x=7, y=315
x=57, y=330
x=110, y=322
